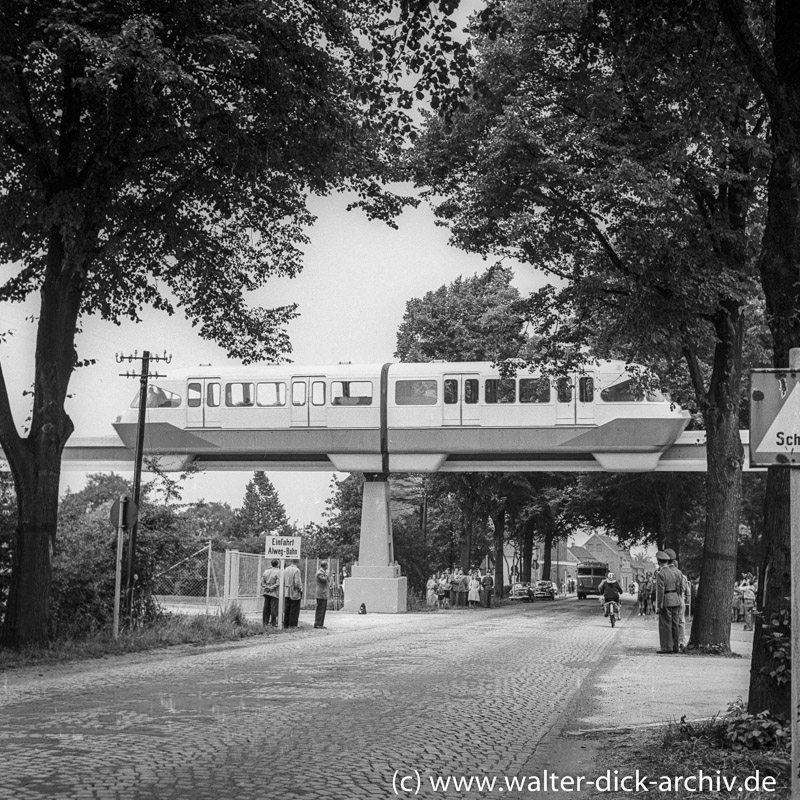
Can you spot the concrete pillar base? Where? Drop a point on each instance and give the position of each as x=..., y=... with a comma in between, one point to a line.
x=382, y=590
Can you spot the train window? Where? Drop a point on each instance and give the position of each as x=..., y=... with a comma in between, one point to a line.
x=415, y=393
x=502, y=390
x=318, y=393
x=299, y=393
x=471, y=391
x=271, y=394
x=564, y=390
x=351, y=393
x=158, y=398
x=239, y=395
x=450, y=391
x=586, y=390
x=534, y=390
x=213, y=395
x=623, y=392
x=194, y=395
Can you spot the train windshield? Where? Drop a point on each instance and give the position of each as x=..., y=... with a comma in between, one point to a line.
x=631, y=391
x=157, y=397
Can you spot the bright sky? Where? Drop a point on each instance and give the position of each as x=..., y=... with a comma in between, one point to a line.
x=352, y=293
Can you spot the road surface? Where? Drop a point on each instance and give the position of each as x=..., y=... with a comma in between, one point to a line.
x=375, y=706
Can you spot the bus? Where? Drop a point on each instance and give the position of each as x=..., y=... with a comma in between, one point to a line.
x=590, y=575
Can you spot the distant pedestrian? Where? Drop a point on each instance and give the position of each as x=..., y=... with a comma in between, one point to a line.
x=455, y=588
x=487, y=587
x=737, y=608
x=292, y=594
x=431, y=597
x=475, y=589
x=749, y=600
x=644, y=593
x=321, y=580
x=444, y=589
x=669, y=585
x=463, y=588
x=270, y=586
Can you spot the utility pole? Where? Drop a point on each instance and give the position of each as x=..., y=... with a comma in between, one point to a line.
x=144, y=376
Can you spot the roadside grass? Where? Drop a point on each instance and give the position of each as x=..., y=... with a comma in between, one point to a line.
x=738, y=748
x=165, y=630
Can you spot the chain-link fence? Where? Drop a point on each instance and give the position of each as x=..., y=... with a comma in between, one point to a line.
x=208, y=581
x=193, y=584
x=243, y=573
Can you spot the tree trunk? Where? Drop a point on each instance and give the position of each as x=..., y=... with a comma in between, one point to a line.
x=27, y=611
x=778, y=268
x=499, y=520
x=528, y=530
x=547, y=544
x=711, y=626
x=774, y=591
x=671, y=516
x=712, y=620
x=466, y=542
x=35, y=461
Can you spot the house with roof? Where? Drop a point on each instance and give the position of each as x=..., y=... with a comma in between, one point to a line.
x=604, y=548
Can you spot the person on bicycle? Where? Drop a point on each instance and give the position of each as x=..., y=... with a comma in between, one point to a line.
x=610, y=591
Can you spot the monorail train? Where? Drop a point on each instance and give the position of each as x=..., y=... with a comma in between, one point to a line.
x=401, y=417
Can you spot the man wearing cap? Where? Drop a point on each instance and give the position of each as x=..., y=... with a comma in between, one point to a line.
x=270, y=586
x=684, y=595
x=321, y=580
x=669, y=585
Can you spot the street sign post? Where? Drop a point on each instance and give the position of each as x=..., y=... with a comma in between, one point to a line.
x=282, y=547
x=775, y=441
x=124, y=514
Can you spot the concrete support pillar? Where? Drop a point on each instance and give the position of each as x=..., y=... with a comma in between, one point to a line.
x=376, y=581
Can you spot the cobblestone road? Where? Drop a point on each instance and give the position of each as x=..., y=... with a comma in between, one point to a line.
x=341, y=713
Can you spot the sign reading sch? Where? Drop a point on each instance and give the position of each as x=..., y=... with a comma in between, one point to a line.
x=774, y=417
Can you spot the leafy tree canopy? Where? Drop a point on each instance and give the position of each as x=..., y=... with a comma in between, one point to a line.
x=471, y=319
x=261, y=513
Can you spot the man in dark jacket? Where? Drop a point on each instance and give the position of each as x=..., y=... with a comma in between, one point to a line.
x=321, y=579
x=669, y=588
x=610, y=590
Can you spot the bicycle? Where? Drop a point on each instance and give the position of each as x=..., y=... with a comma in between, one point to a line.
x=612, y=611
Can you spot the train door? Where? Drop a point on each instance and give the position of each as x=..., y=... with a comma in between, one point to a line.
x=584, y=412
x=565, y=402
x=460, y=393
x=308, y=401
x=203, y=399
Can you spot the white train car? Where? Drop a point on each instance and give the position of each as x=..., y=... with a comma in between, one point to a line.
x=405, y=417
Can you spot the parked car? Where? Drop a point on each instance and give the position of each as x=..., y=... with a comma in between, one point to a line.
x=521, y=591
x=544, y=590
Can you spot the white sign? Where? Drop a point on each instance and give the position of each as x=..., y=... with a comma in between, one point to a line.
x=774, y=417
x=784, y=433
x=282, y=546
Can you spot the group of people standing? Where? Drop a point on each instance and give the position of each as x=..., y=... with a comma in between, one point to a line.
x=292, y=594
x=646, y=592
x=458, y=589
